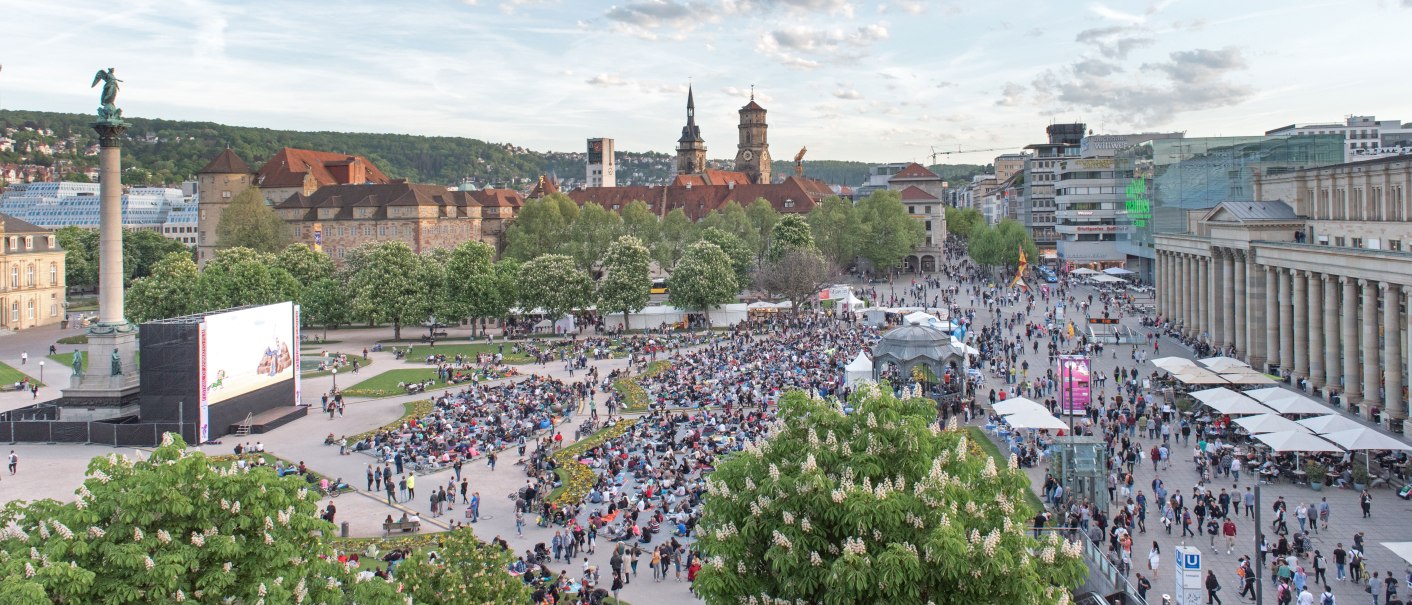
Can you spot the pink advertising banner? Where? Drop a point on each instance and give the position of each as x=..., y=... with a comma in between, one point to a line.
x=1075, y=394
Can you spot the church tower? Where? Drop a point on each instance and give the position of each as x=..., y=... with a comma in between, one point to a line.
x=752, y=155
x=691, y=148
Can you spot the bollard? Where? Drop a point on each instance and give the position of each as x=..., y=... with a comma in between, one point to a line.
x=343, y=530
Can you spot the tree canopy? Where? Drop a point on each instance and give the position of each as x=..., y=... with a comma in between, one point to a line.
x=874, y=506
x=833, y=223
x=249, y=223
x=791, y=232
x=170, y=291
x=798, y=276
x=962, y=221
x=383, y=285
x=887, y=233
x=1000, y=246
x=703, y=279
x=554, y=283
x=626, y=285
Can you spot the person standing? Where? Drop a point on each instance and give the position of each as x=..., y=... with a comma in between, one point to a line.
x=411, y=487
x=1374, y=587
x=475, y=507
x=1213, y=586
x=14, y=462
x=1366, y=501
x=391, y=493
x=1143, y=585
x=370, y=477
x=1340, y=560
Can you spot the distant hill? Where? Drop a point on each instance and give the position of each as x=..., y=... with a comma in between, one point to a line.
x=170, y=151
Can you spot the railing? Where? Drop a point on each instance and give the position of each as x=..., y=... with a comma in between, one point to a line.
x=1104, y=577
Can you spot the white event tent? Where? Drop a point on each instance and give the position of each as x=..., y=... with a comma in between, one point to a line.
x=858, y=370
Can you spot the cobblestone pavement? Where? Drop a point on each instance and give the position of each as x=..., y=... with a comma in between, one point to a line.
x=56, y=470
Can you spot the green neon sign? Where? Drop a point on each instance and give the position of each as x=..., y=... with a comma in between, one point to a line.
x=1137, y=202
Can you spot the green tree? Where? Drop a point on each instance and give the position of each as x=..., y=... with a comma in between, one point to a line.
x=167, y=292
x=887, y=233
x=703, y=279
x=833, y=223
x=790, y=233
x=383, y=285
x=177, y=527
x=640, y=222
x=626, y=285
x=432, y=273
x=141, y=251
x=466, y=269
x=732, y=219
x=798, y=276
x=674, y=233
x=240, y=276
x=1014, y=237
x=553, y=282
x=305, y=264
x=80, y=256
x=963, y=221
x=742, y=259
x=985, y=246
x=249, y=223
x=540, y=227
x=466, y=572
x=591, y=233
x=763, y=217
x=324, y=303
x=874, y=506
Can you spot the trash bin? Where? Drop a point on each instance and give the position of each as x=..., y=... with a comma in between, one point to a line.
x=343, y=530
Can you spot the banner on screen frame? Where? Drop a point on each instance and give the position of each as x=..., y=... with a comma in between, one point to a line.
x=1074, y=388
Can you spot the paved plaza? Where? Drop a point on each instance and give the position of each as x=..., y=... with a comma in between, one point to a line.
x=54, y=471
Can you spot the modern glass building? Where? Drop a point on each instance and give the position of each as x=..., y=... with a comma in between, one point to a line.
x=1165, y=179
x=55, y=205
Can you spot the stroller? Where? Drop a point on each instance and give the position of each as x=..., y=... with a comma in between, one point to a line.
x=541, y=553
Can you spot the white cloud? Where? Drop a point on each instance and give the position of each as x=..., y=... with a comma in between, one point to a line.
x=646, y=18
x=1010, y=96
x=606, y=80
x=848, y=94
x=807, y=47
x=1188, y=81
x=1114, y=14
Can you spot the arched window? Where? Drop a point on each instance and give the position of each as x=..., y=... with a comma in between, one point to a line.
x=53, y=274
x=29, y=309
x=29, y=275
x=15, y=276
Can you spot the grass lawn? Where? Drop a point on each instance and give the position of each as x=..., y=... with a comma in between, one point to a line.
x=9, y=375
x=363, y=362
x=66, y=360
x=77, y=339
x=385, y=384
x=419, y=352
x=410, y=409
x=979, y=436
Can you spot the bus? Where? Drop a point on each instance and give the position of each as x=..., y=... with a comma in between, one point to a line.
x=659, y=285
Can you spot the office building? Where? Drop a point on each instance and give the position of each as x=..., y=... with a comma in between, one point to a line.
x=57, y=205
x=1036, y=211
x=1087, y=201
x=1309, y=278
x=1364, y=137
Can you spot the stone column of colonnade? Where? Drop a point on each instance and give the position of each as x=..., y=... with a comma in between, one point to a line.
x=1300, y=292
x=1332, y=339
x=1189, y=296
x=1286, y=319
x=1242, y=347
x=1213, y=299
x=1272, y=317
x=1392, y=296
x=1255, y=308
x=1228, y=291
x=1352, y=386
x=1316, y=329
x=1203, y=291
x=1370, y=346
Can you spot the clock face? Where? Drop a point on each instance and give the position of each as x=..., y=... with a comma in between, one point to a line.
x=747, y=155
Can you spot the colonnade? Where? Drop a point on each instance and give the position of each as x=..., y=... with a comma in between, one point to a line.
x=1339, y=332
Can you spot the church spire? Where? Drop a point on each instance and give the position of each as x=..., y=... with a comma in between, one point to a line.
x=690, y=106
x=690, y=132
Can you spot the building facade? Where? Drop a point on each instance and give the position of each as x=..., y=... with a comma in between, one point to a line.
x=1365, y=137
x=1088, y=201
x=1172, y=177
x=691, y=148
x=1037, y=207
x=1315, y=287
x=56, y=205
x=32, y=266
x=339, y=218
x=290, y=171
x=602, y=167
x=922, y=192
x=752, y=155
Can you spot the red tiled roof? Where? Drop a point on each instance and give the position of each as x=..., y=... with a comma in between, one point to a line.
x=914, y=171
x=226, y=163
x=752, y=105
x=914, y=193
x=546, y=186
x=503, y=198
x=289, y=166
x=711, y=177
x=345, y=197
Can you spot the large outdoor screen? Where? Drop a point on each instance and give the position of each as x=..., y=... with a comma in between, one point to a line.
x=246, y=350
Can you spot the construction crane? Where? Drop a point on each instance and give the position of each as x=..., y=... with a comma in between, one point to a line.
x=799, y=162
x=937, y=153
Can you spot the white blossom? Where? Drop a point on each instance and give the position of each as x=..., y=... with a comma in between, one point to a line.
x=95, y=532
x=148, y=563
x=163, y=536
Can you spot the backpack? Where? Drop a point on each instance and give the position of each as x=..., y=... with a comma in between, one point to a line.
x=1328, y=599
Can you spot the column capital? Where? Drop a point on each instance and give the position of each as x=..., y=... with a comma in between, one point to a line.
x=1384, y=286
x=1366, y=282
x=1238, y=254
x=1347, y=281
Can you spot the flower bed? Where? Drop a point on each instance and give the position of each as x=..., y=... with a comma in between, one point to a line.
x=634, y=396
x=413, y=410
x=577, y=478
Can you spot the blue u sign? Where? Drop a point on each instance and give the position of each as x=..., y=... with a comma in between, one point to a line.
x=1191, y=560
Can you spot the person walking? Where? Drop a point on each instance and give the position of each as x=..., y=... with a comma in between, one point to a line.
x=1340, y=560
x=520, y=523
x=1228, y=529
x=1365, y=500
x=1320, y=568
x=370, y=477
x=1154, y=559
x=475, y=507
x=1213, y=586
x=1374, y=587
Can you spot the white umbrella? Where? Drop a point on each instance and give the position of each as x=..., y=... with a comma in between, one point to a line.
x=1247, y=378
x=1271, y=394
x=1217, y=394
x=1118, y=271
x=1244, y=406
x=1197, y=376
x=1329, y=423
x=1036, y=419
x=1223, y=363
x=1084, y=271
x=1269, y=423
x=1365, y=439
x=1015, y=405
x=1172, y=364
x=1401, y=549
x=1296, y=441
x=1105, y=279
x=1298, y=404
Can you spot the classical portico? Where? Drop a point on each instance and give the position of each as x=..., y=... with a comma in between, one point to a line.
x=1334, y=316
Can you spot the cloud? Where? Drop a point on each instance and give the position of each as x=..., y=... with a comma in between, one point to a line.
x=1115, y=40
x=606, y=80
x=945, y=84
x=1115, y=15
x=911, y=7
x=808, y=47
x=647, y=17
x=1010, y=95
x=848, y=94
x=842, y=7
x=1189, y=80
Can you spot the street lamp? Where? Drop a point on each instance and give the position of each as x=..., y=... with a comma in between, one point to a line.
x=41, y=371
x=334, y=371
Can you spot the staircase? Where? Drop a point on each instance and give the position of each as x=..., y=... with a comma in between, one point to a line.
x=243, y=429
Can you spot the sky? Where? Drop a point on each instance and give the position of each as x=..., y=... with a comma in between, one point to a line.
x=876, y=81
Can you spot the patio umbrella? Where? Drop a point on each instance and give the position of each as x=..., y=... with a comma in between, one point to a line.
x=1015, y=405
x=1217, y=394
x=1246, y=378
x=1035, y=419
x=1118, y=271
x=1172, y=364
x=1197, y=376
x=1084, y=271
x=1270, y=423
x=1401, y=549
x=1298, y=404
x=1367, y=440
x=1271, y=393
x=1244, y=406
x=1297, y=442
x=1329, y=423
x=1223, y=363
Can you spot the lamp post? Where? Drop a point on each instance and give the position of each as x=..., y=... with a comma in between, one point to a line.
x=334, y=371
x=41, y=371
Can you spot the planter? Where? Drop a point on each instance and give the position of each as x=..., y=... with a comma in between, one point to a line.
x=1359, y=487
x=1317, y=486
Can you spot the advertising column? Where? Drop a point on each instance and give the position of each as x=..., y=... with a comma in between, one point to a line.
x=1074, y=392
x=1191, y=590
